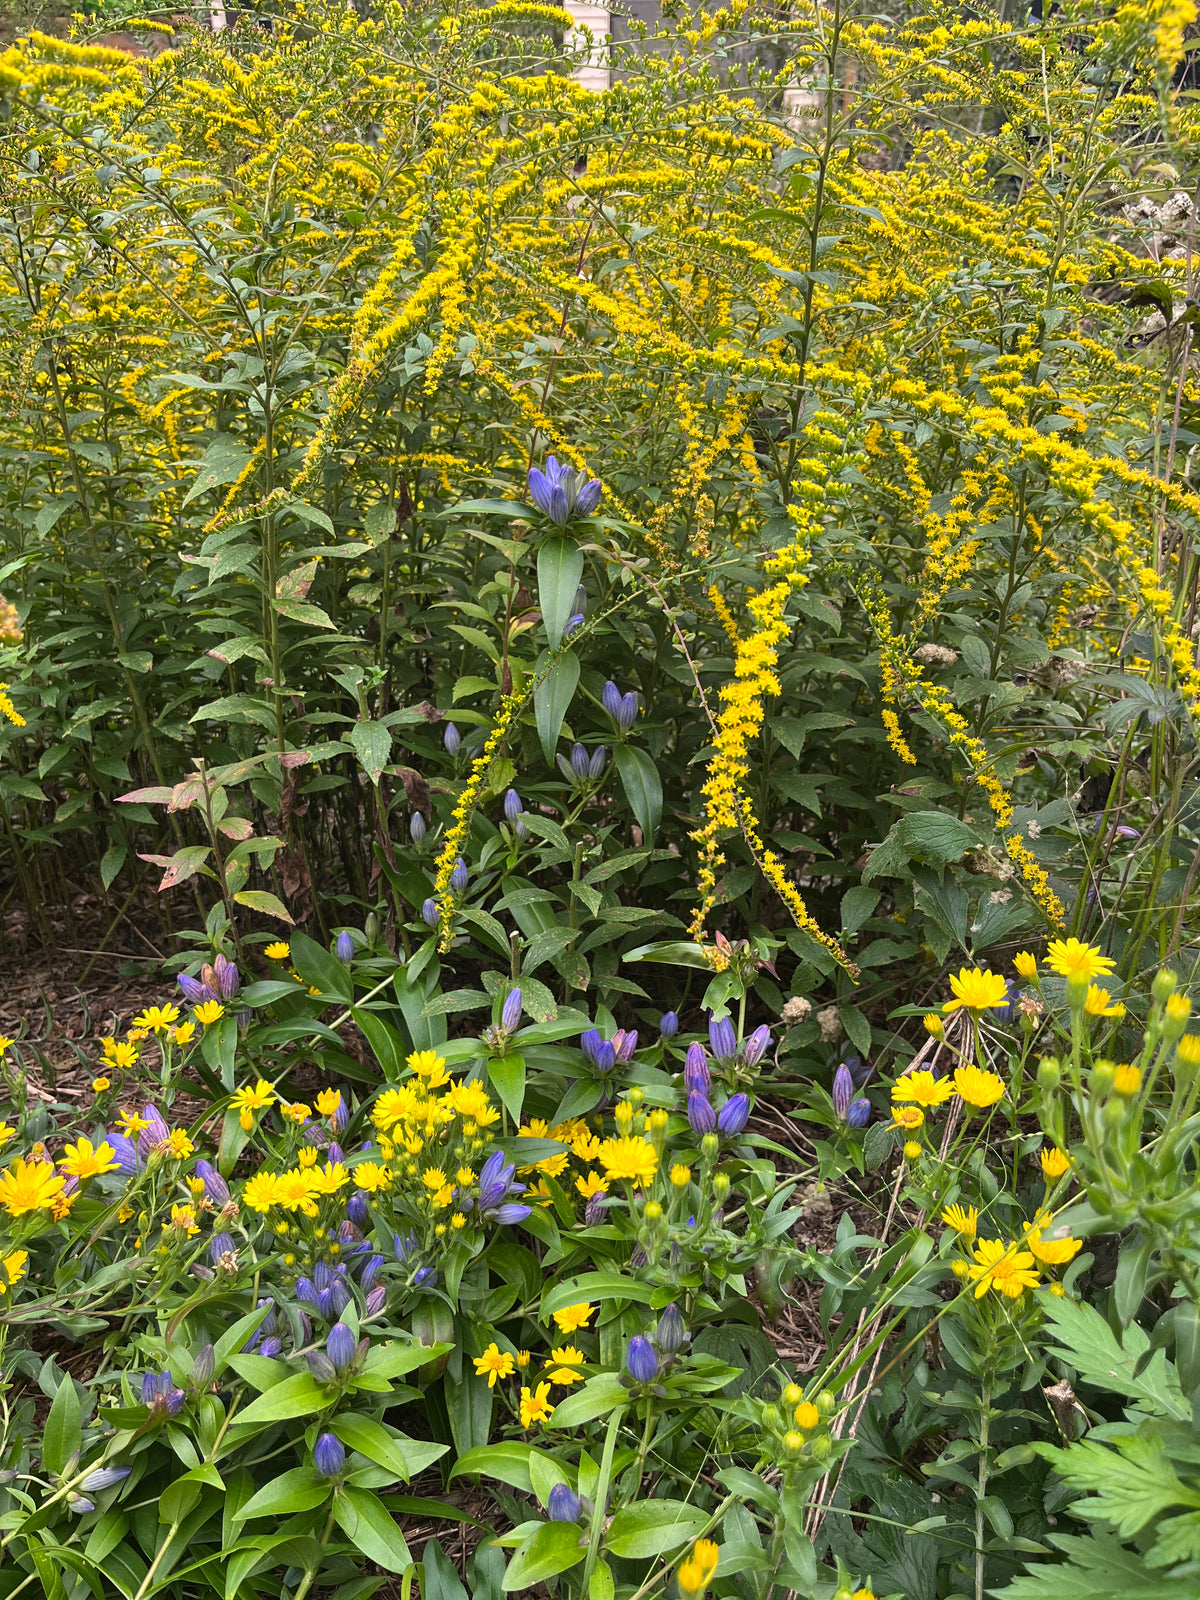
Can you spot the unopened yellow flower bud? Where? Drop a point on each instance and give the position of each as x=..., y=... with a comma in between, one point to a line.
x=934, y=1025
x=623, y=1117
x=793, y=1394
x=826, y=1403
x=793, y=1443
x=807, y=1416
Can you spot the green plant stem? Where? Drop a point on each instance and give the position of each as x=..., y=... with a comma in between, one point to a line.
x=602, y=1483
x=981, y=1483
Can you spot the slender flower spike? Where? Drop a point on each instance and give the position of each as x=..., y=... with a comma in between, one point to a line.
x=722, y=1040
x=843, y=1091
x=563, y=1504
x=641, y=1360
x=345, y=947
x=510, y=1017
x=329, y=1455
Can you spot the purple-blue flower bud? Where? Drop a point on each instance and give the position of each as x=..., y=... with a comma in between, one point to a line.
x=155, y=1133
x=610, y=699
x=321, y=1367
x=220, y=1245
x=722, y=1040
x=508, y=1215
x=625, y=1043
x=174, y=1399
x=424, y=1278
x=671, y=1332
x=215, y=1187
x=329, y=1455
x=358, y=1211
x=859, y=1114
x=596, y=764
x=344, y=949
x=460, y=877
x=701, y=1117
x=606, y=1056
x=306, y=1290
x=510, y=1017
x=668, y=1024
x=589, y=1042
x=370, y=1269
x=562, y=1504
x=416, y=828
x=104, y=1478
x=204, y=1366
x=573, y=622
x=429, y=912
x=512, y=805
x=843, y=1090
x=579, y=760
x=376, y=1300
x=322, y=1274
x=757, y=1045
x=125, y=1153
x=451, y=739
x=641, y=1360
x=228, y=976
x=593, y=1212
x=697, y=1079
x=733, y=1115
x=339, y=1346
x=193, y=990
x=270, y=1347
x=334, y=1153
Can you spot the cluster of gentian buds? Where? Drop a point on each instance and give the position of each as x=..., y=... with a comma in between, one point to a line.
x=162, y=1394
x=622, y=708
x=341, y=1355
x=649, y=1358
x=854, y=1112
x=218, y=981
x=583, y=768
x=499, y=1036
x=561, y=494
x=702, y=1116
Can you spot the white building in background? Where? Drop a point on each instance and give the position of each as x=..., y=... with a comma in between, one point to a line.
x=595, y=72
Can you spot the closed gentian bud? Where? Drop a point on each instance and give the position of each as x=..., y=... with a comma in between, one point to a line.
x=339, y=1346
x=369, y=1271
x=610, y=699
x=593, y=1212
x=596, y=764
x=416, y=828
x=104, y=1478
x=722, y=1040
x=641, y=1360
x=579, y=760
x=733, y=1115
x=606, y=1056
x=697, y=1079
x=125, y=1154
x=757, y=1045
x=563, y=1504
x=460, y=877
x=327, y=1306
x=334, y=1152
x=700, y=1114
x=510, y=1017
x=426, y=1277
x=329, y=1455
x=204, y=1366
x=155, y=1133
x=220, y=1245
x=215, y=1187
x=270, y=1347
x=306, y=1289
x=509, y=1215
x=589, y=1041
x=229, y=978
x=192, y=989
x=858, y=1114
x=573, y=622
x=429, y=913
x=452, y=739
x=344, y=949
x=512, y=805
x=79, y=1505
x=175, y=1401
x=627, y=712
x=376, y=1300
x=668, y=1024
x=321, y=1367
x=624, y=1042
x=358, y=1211
x=671, y=1332
x=843, y=1090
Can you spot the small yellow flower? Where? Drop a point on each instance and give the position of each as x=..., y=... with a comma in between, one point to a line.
x=261, y=1191
x=934, y=1025
x=912, y=1150
x=632, y=1160
x=1003, y=1267
x=522, y=1359
x=495, y=1363
x=157, y=1019
x=1054, y=1164
x=1188, y=1050
x=1099, y=1003
x=131, y=1124
x=1178, y=1007
x=12, y=1269
x=328, y=1101
x=99, y=1085
x=535, y=1407
x=908, y=1117
x=1076, y=961
x=922, y=1088
x=1050, y=1252
x=680, y=1175
x=807, y=1416
x=296, y=1111
x=568, y=1359
x=7, y=1132
x=29, y=1186
x=962, y=1221
x=208, y=1012
x=122, y=1056
x=1127, y=1079
x=976, y=990
x=277, y=951
x=978, y=1088
x=571, y=1318
x=308, y=1155
x=81, y=1161
x=458, y=1221
x=248, y=1101
x=371, y=1177
x=696, y=1573
x=183, y=1218
x=184, y=1033
x=179, y=1145
x=1025, y=965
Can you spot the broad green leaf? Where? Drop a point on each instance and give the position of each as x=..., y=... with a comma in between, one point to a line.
x=372, y=743
x=553, y=1548
x=643, y=787
x=371, y=1439
x=366, y=1522
x=64, y=1427
x=597, y=1398
x=297, y=1396
x=509, y=1461
x=507, y=1075
x=595, y=1286
x=319, y=968
x=262, y=900
x=559, y=572
x=652, y=1526
x=552, y=700
x=298, y=1490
